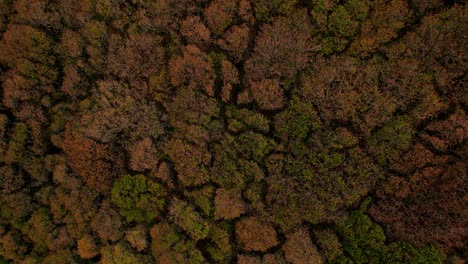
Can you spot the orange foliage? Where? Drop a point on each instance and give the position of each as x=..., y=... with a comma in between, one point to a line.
x=255, y=235
x=96, y=163
x=268, y=94
x=193, y=69
x=194, y=30
x=236, y=41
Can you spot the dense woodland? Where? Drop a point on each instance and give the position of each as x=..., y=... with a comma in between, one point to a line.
x=233, y=131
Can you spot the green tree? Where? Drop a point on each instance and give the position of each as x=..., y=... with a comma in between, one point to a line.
x=138, y=198
x=391, y=140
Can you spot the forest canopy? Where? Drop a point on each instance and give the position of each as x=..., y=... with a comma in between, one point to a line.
x=233, y=131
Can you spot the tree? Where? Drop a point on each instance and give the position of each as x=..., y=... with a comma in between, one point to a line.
x=236, y=41
x=135, y=59
x=193, y=69
x=195, y=116
x=95, y=162
x=169, y=245
x=143, y=155
x=96, y=40
x=299, y=248
x=228, y=204
x=255, y=235
x=391, y=140
x=87, y=247
x=138, y=199
x=282, y=48
x=193, y=29
x=383, y=25
x=38, y=14
x=189, y=220
x=137, y=238
x=191, y=163
x=230, y=76
x=28, y=52
x=121, y=253
x=237, y=160
x=13, y=246
x=266, y=10
x=220, y=247
x=268, y=94
x=364, y=241
x=220, y=14
x=107, y=223
x=431, y=202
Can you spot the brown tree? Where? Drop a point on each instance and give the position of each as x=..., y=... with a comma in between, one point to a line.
x=299, y=249
x=107, y=223
x=228, y=204
x=27, y=52
x=193, y=29
x=236, y=41
x=191, y=162
x=268, y=94
x=87, y=247
x=193, y=69
x=281, y=49
x=95, y=162
x=135, y=59
x=255, y=235
x=220, y=14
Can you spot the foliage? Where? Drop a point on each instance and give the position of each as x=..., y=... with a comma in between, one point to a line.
x=224, y=131
x=189, y=220
x=388, y=142
x=265, y=10
x=169, y=245
x=120, y=253
x=364, y=241
x=221, y=248
x=281, y=49
x=138, y=198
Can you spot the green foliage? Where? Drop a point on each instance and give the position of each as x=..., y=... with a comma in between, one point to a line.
x=391, y=140
x=338, y=23
x=39, y=229
x=173, y=247
x=241, y=119
x=364, y=242
x=254, y=194
x=330, y=164
x=332, y=44
x=203, y=199
x=16, y=147
x=254, y=146
x=237, y=159
x=3, y=261
x=95, y=33
x=266, y=9
x=138, y=198
x=358, y=9
x=185, y=217
x=343, y=138
x=330, y=243
x=296, y=121
x=401, y=252
x=341, y=22
x=121, y=253
x=220, y=247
